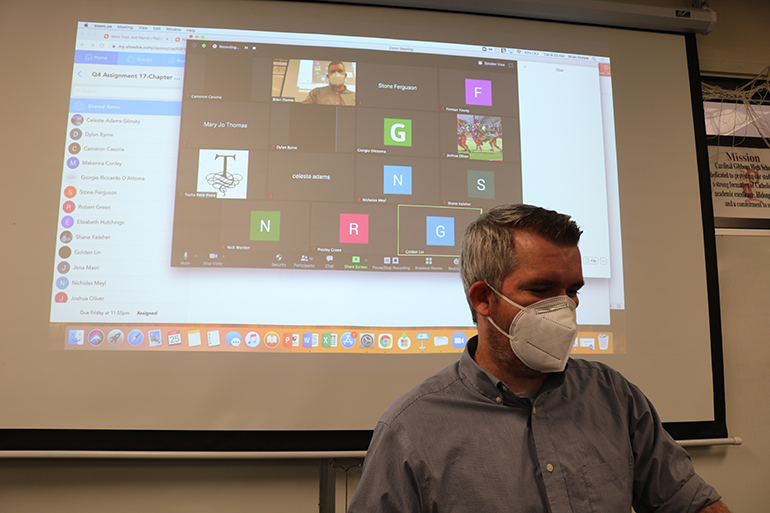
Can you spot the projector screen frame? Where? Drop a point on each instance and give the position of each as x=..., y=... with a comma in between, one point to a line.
x=237, y=441
x=718, y=427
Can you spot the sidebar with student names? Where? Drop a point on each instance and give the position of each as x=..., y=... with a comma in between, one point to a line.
x=116, y=203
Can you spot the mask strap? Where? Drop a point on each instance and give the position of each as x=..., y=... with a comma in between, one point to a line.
x=493, y=323
x=505, y=298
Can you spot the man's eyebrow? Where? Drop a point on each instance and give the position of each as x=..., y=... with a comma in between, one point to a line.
x=544, y=282
x=539, y=282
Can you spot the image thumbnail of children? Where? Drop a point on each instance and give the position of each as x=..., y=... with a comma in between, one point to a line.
x=481, y=137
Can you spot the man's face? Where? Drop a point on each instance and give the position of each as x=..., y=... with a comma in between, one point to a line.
x=336, y=74
x=544, y=270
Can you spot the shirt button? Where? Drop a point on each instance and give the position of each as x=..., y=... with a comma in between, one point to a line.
x=498, y=399
x=549, y=467
x=505, y=388
x=534, y=410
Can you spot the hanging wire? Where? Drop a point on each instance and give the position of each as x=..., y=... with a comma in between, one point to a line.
x=740, y=110
x=752, y=96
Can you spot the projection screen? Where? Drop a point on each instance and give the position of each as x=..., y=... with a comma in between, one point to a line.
x=245, y=217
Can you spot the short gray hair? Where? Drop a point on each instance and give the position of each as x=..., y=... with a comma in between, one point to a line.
x=488, y=254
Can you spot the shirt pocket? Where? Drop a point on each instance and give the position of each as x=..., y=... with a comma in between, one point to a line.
x=609, y=485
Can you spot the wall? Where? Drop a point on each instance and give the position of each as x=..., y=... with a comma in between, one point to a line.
x=736, y=45
x=740, y=473
x=739, y=47
x=129, y=486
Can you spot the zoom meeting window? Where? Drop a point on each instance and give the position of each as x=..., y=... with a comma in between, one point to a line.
x=302, y=157
x=311, y=191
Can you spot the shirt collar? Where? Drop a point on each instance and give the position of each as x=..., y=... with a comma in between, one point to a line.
x=487, y=384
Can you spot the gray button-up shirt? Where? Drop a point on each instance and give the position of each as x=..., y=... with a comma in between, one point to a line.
x=591, y=441
x=326, y=95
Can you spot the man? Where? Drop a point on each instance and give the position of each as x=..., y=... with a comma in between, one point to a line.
x=514, y=426
x=493, y=140
x=336, y=93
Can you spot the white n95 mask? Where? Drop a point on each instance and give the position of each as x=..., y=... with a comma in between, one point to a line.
x=337, y=79
x=542, y=333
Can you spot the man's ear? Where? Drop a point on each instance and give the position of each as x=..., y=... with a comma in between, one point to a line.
x=481, y=296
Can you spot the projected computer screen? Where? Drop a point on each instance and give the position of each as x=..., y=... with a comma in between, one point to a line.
x=230, y=190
